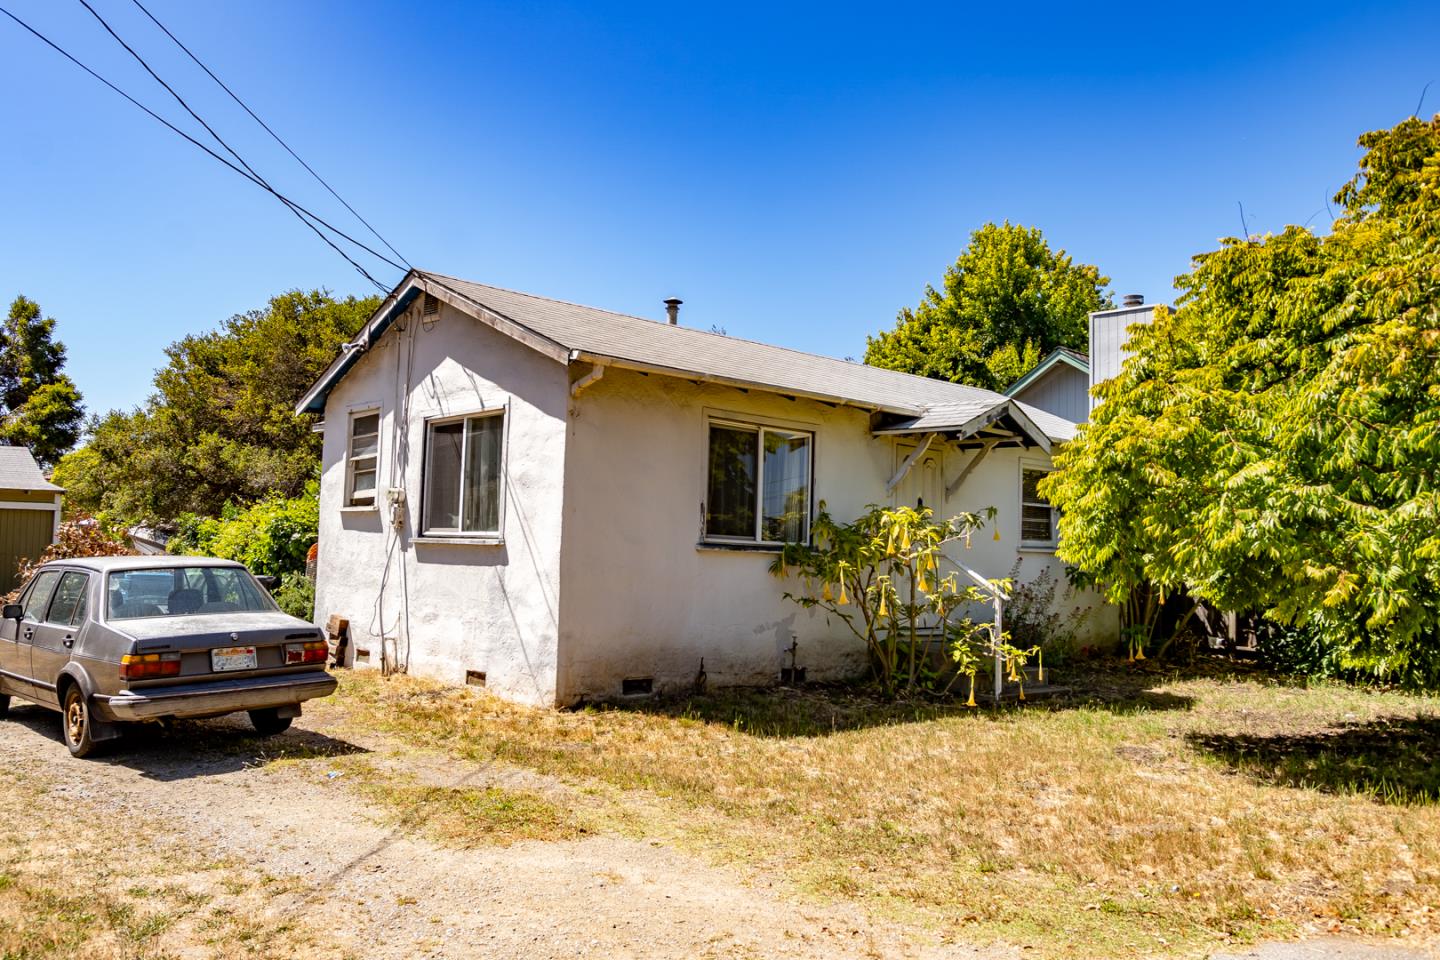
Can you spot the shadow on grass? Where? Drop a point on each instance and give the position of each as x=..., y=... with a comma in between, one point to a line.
x=1394, y=760
x=819, y=710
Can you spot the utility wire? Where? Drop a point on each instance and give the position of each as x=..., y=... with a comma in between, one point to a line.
x=241, y=160
x=196, y=143
x=234, y=96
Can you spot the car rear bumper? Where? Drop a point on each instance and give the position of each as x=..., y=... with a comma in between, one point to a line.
x=216, y=697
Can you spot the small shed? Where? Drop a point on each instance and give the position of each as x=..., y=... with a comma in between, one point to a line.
x=29, y=512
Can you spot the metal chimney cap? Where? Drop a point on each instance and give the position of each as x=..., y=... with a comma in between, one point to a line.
x=673, y=301
x=672, y=310
x=1133, y=300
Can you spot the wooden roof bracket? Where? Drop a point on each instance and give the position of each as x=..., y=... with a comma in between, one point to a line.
x=980, y=455
x=910, y=461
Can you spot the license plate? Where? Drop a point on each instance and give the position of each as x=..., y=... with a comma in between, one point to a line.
x=232, y=658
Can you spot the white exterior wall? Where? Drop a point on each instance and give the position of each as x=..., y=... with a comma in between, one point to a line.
x=492, y=608
x=641, y=598
x=1061, y=390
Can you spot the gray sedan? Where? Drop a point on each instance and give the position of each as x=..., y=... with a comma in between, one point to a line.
x=109, y=640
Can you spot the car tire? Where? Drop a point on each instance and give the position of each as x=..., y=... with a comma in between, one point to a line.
x=4, y=704
x=75, y=721
x=267, y=723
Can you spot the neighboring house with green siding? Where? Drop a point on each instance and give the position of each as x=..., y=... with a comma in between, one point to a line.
x=29, y=512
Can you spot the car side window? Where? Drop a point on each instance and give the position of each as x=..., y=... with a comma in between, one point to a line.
x=39, y=596
x=69, y=598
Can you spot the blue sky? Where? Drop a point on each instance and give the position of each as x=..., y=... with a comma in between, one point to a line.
x=796, y=174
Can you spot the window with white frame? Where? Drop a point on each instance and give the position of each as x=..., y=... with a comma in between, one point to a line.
x=362, y=459
x=758, y=483
x=463, y=464
x=1037, y=517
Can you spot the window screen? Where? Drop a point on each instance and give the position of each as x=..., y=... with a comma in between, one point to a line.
x=363, y=459
x=1037, y=517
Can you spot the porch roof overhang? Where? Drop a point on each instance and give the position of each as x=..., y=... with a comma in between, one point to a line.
x=1004, y=421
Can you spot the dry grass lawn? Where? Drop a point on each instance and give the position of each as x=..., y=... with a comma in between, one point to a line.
x=1166, y=815
x=73, y=885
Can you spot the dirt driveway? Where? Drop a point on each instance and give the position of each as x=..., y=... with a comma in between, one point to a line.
x=285, y=809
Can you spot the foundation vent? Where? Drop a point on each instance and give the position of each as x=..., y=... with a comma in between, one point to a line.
x=637, y=686
x=475, y=678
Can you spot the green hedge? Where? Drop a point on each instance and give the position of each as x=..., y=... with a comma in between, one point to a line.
x=270, y=537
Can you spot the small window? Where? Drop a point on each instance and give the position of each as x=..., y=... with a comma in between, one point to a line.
x=68, y=607
x=1037, y=517
x=38, y=599
x=462, y=475
x=362, y=459
x=758, y=486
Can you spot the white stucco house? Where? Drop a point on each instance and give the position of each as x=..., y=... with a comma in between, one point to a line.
x=567, y=503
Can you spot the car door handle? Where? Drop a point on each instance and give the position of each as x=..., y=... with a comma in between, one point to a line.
x=68, y=641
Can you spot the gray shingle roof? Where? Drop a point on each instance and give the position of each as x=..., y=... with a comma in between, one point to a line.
x=589, y=332
x=19, y=471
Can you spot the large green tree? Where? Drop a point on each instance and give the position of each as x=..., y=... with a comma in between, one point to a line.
x=220, y=427
x=1274, y=443
x=1006, y=302
x=41, y=407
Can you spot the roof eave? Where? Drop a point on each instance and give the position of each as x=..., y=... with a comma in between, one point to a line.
x=1039, y=370
x=412, y=285
x=739, y=383
x=977, y=423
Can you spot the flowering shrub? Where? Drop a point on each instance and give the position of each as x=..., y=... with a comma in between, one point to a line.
x=883, y=577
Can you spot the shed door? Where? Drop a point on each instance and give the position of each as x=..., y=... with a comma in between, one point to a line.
x=24, y=534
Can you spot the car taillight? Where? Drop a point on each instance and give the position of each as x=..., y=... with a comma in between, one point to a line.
x=144, y=666
x=312, y=651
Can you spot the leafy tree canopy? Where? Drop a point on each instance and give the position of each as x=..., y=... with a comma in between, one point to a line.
x=41, y=407
x=1274, y=443
x=1006, y=302
x=220, y=427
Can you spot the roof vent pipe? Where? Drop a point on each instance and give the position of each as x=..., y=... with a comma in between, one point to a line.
x=1131, y=300
x=672, y=310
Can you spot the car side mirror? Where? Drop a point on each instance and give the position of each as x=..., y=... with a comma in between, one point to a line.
x=13, y=611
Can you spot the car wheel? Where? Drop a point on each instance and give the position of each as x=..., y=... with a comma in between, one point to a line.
x=269, y=722
x=75, y=721
x=4, y=704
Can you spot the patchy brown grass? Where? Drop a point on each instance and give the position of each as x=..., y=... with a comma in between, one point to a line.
x=71, y=886
x=1172, y=814
x=466, y=816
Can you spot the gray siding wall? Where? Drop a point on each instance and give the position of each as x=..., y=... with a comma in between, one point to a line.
x=1108, y=335
x=1061, y=390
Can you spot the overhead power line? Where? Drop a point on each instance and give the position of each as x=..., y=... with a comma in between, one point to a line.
x=196, y=143
x=266, y=127
x=230, y=150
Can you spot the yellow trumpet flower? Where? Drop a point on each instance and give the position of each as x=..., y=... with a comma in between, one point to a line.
x=971, y=701
x=842, y=599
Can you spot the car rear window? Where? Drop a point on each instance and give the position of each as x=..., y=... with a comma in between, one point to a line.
x=183, y=591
